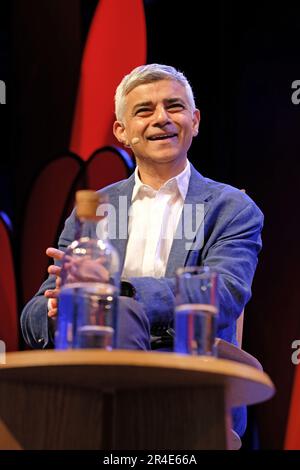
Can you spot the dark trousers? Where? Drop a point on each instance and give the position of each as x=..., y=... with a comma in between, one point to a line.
x=133, y=328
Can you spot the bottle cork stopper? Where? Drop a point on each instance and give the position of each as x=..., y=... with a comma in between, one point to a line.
x=87, y=202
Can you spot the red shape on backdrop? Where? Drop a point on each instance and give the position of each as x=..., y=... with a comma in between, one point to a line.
x=292, y=440
x=106, y=166
x=116, y=43
x=45, y=211
x=8, y=310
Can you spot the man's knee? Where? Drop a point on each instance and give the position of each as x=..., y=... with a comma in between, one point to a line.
x=133, y=328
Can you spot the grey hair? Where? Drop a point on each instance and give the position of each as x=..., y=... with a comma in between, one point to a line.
x=147, y=74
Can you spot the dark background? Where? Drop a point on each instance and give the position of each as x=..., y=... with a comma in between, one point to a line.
x=241, y=59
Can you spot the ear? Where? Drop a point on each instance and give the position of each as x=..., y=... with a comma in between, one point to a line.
x=196, y=122
x=120, y=132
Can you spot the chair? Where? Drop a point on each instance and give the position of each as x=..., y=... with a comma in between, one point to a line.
x=107, y=165
x=9, y=331
x=239, y=329
x=52, y=198
x=44, y=212
x=166, y=340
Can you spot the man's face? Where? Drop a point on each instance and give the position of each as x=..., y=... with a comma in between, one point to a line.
x=160, y=116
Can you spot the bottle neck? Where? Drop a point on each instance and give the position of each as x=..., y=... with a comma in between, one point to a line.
x=92, y=228
x=85, y=228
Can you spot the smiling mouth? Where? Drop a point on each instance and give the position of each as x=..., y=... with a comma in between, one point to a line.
x=161, y=137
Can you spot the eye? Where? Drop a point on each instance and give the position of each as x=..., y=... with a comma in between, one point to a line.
x=143, y=112
x=176, y=107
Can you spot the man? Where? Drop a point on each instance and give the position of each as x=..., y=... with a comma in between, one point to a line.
x=157, y=118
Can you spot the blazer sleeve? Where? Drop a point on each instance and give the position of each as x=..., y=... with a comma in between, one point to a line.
x=231, y=247
x=37, y=328
x=234, y=255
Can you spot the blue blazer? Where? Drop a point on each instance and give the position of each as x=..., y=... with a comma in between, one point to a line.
x=228, y=239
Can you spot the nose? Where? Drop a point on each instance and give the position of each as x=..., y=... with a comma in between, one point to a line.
x=161, y=116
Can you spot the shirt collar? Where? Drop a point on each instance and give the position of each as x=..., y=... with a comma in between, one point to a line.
x=181, y=181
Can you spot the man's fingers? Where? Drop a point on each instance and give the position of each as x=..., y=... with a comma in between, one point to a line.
x=54, y=253
x=56, y=270
x=53, y=304
x=52, y=313
x=52, y=269
x=51, y=293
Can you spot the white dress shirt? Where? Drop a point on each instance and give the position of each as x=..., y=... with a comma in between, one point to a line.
x=153, y=219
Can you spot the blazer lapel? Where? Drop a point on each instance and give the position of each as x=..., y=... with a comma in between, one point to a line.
x=185, y=246
x=121, y=200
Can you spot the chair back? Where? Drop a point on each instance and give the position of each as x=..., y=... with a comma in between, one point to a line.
x=9, y=324
x=239, y=329
x=44, y=210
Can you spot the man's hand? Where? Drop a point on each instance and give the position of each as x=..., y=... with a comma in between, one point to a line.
x=79, y=269
x=52, y=294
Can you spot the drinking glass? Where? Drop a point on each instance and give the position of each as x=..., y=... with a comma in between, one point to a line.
x=196, y=310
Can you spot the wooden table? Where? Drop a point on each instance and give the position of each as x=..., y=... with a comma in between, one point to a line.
x=89, y=399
